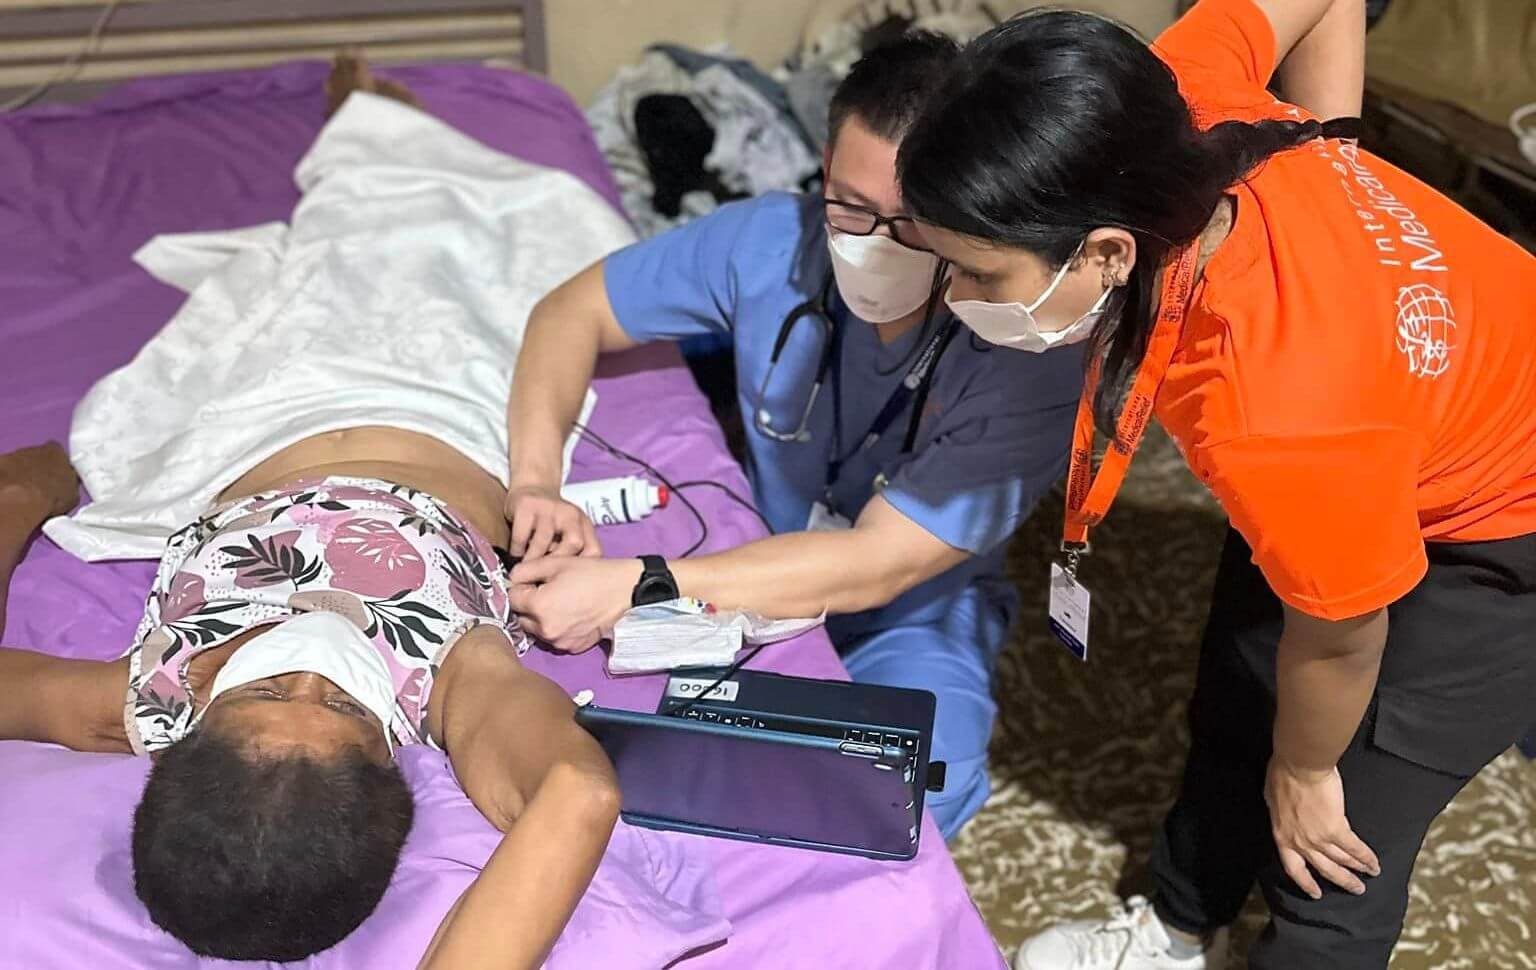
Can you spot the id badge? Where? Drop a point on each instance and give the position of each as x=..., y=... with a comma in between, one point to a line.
x=1069, y=611
x=823, y=519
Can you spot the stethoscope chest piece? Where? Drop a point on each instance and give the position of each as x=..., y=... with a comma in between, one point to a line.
x=800, y=436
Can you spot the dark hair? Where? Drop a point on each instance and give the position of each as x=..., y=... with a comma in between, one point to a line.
x=1056, y=123
x=887, y=87
x=246, y=857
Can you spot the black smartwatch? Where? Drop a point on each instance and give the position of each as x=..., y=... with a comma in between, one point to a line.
x=656, y=584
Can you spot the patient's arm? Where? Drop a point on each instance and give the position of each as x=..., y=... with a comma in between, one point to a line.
x=76, y=703
x=36, y=484
x=573, y=603
x=566, y=332
x=514, y=744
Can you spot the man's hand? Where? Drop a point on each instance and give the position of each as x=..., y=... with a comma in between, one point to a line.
x=544, y=524
x=1306, y=813
x=573, y=603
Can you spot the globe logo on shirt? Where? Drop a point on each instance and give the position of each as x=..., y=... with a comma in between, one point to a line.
x=1425, y=324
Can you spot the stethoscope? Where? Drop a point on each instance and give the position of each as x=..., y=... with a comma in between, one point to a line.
x=815, y=310
x=913, y=389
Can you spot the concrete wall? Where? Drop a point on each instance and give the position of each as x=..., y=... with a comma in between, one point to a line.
x=589, y=39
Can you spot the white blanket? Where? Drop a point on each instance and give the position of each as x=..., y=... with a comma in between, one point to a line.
x=397, y=295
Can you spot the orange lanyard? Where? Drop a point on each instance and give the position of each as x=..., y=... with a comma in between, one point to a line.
x=1088, y=500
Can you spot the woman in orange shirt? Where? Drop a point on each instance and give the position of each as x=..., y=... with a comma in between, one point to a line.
x=1347, y=360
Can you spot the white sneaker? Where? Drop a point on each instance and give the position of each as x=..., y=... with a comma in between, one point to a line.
x=1133, y=939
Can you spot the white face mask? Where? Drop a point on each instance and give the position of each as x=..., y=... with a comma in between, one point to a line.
x=327, y=644
x=1014, y=325
x=880, y=279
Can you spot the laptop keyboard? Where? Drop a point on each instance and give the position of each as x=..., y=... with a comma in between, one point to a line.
x=872, y=736
x=755, y=722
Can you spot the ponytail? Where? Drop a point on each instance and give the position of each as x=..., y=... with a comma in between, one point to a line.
x=1237, y=148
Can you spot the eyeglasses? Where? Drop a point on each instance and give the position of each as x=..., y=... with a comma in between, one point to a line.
x=856, y=220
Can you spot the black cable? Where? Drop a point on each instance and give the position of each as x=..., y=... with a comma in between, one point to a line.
x=731, y=493
x=678, y=710
x=677, y=490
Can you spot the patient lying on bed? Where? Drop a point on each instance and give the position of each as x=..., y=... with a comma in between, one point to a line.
x=274, y=814
x=340, y=598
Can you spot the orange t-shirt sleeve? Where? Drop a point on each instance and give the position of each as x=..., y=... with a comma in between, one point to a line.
x=1223, y=52
x=1332, y=518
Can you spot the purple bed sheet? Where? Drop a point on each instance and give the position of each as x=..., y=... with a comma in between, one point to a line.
x=81, y=187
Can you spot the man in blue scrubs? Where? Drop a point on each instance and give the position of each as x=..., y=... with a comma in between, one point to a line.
x=895, y=527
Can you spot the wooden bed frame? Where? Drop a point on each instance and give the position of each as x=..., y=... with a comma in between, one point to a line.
x=52, y=40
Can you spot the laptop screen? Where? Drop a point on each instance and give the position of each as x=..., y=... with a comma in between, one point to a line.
x=766, y=785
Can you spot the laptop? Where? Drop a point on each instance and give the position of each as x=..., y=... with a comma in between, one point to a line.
x=814, y=764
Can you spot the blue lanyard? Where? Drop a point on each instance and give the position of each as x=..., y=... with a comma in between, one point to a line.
x=915, y=385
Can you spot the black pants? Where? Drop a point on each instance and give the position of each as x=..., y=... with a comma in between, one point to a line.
x=1457, y=687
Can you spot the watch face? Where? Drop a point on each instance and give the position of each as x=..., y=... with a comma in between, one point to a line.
x=654, y=589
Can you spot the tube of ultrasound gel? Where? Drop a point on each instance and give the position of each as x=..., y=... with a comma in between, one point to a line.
x=615, y=501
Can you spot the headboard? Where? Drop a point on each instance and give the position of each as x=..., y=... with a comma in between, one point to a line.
x=84, y=45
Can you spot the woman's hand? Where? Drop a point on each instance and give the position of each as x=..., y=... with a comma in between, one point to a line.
x=544, y=524
x=1306, y=814
x=573, y=603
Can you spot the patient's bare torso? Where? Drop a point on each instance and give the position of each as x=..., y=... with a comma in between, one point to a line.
x=402, y=457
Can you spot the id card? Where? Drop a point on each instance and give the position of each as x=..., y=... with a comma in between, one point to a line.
x=1069, y=611
x=823, y=519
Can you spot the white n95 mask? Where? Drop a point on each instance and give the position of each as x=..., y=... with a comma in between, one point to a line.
x=880, y=279
x=1014, y=325
x=327, y=644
